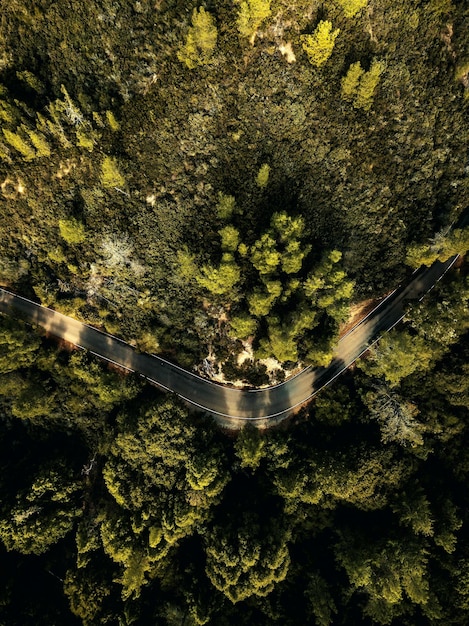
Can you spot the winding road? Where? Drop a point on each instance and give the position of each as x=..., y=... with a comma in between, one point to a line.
x=232, y=407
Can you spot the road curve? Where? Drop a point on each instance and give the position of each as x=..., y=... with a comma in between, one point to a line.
x=232, y=407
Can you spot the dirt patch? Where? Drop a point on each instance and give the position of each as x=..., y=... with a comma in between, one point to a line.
x=63, y=346
x=287, y=51
x=357, y=313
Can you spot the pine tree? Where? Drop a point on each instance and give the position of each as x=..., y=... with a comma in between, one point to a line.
x=247, y=557
x=397, y=417
x=249, y=447
x=441, y=248
x=368, y=84
x=264, y=254
x=281, y=342
x=251, y=15
x=18, y=346
x=24, y=148
x=221, y=280
x=320, y=44
x=351, y=80
x=260, y=301
x=263, y=175
x=43, y=512
x=229, y=238
x=352, y=7
x=242, y=326
x=200, y=41
x=39, y=142
x=110, y=175
x=397, y=355
x=112, y=121
x=72, y=231
x=388, y=570
x=226, y=206
x=320, y=599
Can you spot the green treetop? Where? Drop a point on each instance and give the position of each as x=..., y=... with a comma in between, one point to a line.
x=280, y=343
x=441, y=248
x=21, y=145
x=397, y=355
x=251, y=15
x=387, y=570
x=221, y=280
x=328, y=287
x=261, y=300
x=245, y=559
x=242, y=326
x=351, y=80
x=110, y=175
x=18, y=346
x=368, y=84
x=44, y=512
x=229, y=238
x=264, y=254
x=249, y=447
x=262, y=177
x=352, y=7
x=200, y=41
x=320, y=44
x=72, y=230
x=225, y=206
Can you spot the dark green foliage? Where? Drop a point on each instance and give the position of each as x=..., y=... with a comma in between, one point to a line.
x=44, y=512
x=18, y=347
x=130, y=151
x=247, y=559
x=149, y=515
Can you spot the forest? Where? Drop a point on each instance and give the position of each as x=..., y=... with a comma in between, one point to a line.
x=223, y=183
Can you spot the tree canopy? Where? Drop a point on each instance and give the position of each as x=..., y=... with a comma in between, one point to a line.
x=225, y=183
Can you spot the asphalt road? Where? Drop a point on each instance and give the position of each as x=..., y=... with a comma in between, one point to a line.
x=228, y=405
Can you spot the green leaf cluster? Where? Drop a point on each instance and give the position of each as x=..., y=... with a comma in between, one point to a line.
x=320, y=44
x=251, y=14
x=359, y=86
x=201, y=40
x=352, y=7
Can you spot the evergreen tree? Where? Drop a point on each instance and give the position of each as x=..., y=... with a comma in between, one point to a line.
x=367, y=85
x=263, y=175
x=251, y=15
x=246, y=558
x=201, y=40
x=397, y=355
x=72, y=231
x=18, y=346
x=441, y=248
x=320, y=44
x=221, y=280
x=351, y=81
x=43, y=512
x=110, y=175
x=249, y=447
x=21, y=145
x=352, y=7
x=388, y=570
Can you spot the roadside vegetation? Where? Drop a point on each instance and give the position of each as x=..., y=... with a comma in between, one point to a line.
x=228, y=177
x=127, y=508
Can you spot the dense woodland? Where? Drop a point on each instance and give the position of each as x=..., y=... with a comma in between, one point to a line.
x=203, y=178
x=191, y=177
x=121, y=507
